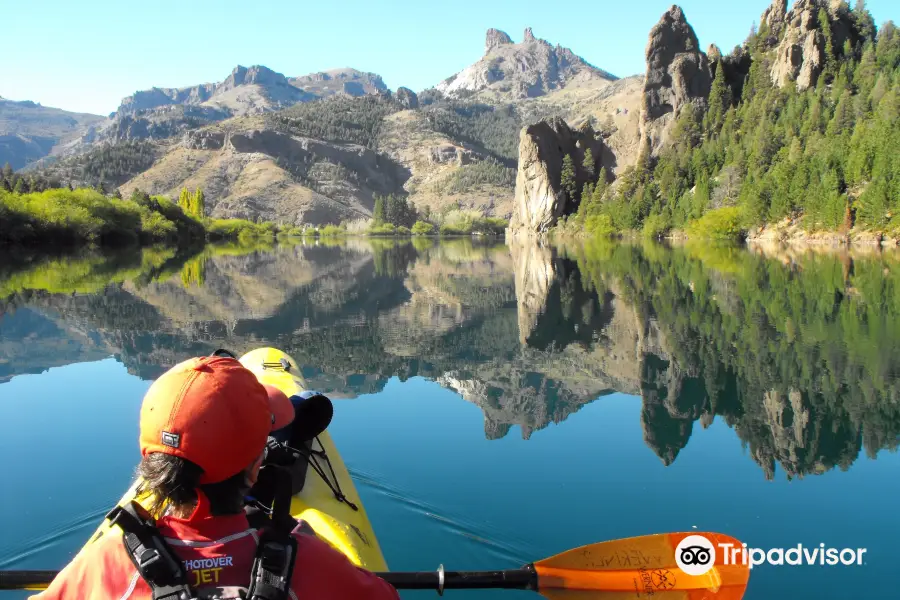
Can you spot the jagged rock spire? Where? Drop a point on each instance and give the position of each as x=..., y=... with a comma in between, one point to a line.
x=677, y=74
x=495, y=38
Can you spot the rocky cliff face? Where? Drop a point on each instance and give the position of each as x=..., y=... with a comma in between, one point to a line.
x=494, y=39
x=773, y=20
x=524, y=70
x=407, y=98
x=736, y=67
x=678, y=74
x=540, y=200
x=800, y=42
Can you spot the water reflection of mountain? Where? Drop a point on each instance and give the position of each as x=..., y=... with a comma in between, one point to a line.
x=797, y=354
x=794, y=354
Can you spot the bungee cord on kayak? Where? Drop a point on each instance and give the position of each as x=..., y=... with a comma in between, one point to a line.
x=311, y=455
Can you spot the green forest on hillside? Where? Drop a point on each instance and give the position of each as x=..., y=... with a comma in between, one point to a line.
x=337, y=119
x=828, y=156
x=493, y=128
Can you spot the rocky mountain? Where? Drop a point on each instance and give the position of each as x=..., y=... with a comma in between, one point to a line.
x=677, y=74
x=799, y=40
x=29, y=131
x=161, y=113
x=258, y=153
x=528, y=69
x=791, y=47
x=254, y=90
x=339, y=81
x=540, y=198
x=244, y=141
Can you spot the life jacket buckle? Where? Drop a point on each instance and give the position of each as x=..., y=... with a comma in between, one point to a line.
x=274, y=557
x=150, y=561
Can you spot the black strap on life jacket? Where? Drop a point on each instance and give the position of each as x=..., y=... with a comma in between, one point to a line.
x=273, y=565
x=275, y=556
x=150, y=554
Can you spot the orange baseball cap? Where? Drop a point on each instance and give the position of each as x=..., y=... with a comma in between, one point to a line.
x=280, y=406
x=213, y=412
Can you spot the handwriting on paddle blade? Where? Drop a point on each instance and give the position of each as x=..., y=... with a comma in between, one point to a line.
x=626, y=559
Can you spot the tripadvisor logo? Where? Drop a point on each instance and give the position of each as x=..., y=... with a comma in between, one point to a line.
x=696, y=555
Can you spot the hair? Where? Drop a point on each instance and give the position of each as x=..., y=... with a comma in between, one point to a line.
x=173, y=482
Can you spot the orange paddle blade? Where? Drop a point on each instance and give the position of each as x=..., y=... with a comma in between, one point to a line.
x=643, y=567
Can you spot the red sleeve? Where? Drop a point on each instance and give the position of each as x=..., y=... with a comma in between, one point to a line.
x=323, y=572
x=101, y=570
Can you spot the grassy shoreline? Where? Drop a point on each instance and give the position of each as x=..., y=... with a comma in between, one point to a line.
x=63, y=218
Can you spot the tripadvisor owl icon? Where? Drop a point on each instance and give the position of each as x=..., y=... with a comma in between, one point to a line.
x=695, y=555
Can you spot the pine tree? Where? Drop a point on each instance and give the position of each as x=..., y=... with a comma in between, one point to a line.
x=866, y=72
x=6, y=173
x=602, y=181
x=720, y=99
x=873, y=205
x=199, y=204
x=842, y=121
x=834, y=202
x=865, y=24
x=19, y=187
x=880, y=89
x=567, y=179
x=825, y=28
x=888, y=47
x=587, y=192
x=378, y=212
x=589, y=165
x=700, y=198
x=184, y=201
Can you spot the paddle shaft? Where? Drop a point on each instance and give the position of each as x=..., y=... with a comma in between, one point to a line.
x=513, y=579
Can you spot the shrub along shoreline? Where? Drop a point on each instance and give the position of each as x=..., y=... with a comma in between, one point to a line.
x=62, y=217
x=66, y=218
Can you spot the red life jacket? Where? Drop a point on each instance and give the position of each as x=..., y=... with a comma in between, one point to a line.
x=216, y=553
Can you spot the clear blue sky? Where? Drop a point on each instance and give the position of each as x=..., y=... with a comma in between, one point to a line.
x=86, y=56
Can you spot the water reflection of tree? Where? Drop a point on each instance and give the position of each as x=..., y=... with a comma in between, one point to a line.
x=393, y=258
x=573, y=312
x=799, y=359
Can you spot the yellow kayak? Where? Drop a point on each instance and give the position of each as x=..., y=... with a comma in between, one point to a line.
x=343, y=524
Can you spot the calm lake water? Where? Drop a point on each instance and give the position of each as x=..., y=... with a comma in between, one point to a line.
x=497, y=404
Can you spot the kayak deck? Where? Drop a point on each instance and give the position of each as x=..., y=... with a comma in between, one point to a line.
x=335, y=521
x=343, y=524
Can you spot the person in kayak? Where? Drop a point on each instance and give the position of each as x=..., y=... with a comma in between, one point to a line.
x=204, y=425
